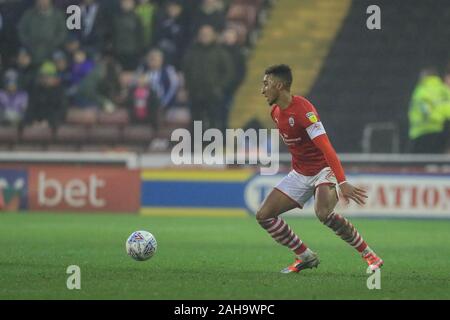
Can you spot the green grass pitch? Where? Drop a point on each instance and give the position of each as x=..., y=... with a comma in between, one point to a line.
x=215, y=258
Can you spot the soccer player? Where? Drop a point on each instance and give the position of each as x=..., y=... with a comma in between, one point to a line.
x=316, y=172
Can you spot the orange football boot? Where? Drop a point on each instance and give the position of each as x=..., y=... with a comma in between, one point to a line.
x=374, y=261
x=299, y=265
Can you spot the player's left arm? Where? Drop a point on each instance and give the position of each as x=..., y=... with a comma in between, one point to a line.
x=317, y=133
x=348, y=190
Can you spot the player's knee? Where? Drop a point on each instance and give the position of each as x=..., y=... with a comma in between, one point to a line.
x=322, y=214
x=262, y=215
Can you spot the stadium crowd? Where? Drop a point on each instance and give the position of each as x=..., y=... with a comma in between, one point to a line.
x=155, y=61
x=150, y=57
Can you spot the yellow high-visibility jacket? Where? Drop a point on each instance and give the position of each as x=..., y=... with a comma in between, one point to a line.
x=429, y=108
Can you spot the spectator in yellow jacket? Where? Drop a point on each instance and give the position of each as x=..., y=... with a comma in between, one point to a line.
x=428, y=113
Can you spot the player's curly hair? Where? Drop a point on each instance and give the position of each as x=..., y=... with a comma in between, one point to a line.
x=282, y=72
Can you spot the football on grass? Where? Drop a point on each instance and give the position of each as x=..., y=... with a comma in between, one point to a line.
x=141, y=245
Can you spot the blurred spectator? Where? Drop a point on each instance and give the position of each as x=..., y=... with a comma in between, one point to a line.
x=63, y=4
x=86, y=80
x=10, y=13
x=127, y=41
x=122, y=97
x=93, y=25
x=208, y=71
x=145, y=10
x=109, y=85
x=71, y=45
x=62, y=68
x=13, y=101
x=236, y=52
x=428, y=112
x=143, y=103
x=211, y=12
x=47, y=101
x=81, y=67
x=170, y=33
x=107, y=6
x=230, y=43
x=25, y=70
x=163, y=78
x=2, y=39
x=42, y=29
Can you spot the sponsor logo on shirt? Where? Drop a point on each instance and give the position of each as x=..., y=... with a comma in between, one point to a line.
x=312, y=117
x=291, y=121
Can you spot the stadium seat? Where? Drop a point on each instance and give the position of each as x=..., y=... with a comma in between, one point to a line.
x=28, y=147
x=8, y=134
x=159, y=145
x=165, y=132
x=178, y=117
x=117, y=117
x=37, y=134
x=81, y=116
x=136, y=148
x=62, y=148
x=137, y=134
x=95, y=148
x=71, y=133
x=104, y=134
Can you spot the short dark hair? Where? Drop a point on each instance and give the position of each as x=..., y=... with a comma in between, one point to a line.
x=282, y=72
x=429, y=71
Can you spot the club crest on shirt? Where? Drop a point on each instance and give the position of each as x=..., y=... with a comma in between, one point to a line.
x=312, y=117
x=291, y=121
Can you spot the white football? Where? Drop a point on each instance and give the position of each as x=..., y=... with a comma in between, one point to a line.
x=141, y=245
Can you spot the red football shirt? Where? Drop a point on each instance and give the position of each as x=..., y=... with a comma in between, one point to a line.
x=298, y=124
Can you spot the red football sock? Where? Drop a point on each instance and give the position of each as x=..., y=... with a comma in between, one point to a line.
x=343, y=228
x=282, y=233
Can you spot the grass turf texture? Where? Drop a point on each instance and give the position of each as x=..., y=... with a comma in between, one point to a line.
x=214, y=258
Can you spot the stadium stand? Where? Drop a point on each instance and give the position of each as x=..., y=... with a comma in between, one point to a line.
x=317, y=38
x=100, y=90
x=298, y=33
x=381, y=71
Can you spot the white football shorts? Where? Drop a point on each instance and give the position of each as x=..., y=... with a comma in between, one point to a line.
x=301, y=188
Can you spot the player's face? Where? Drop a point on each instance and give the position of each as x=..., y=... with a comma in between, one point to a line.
x=270, y=89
